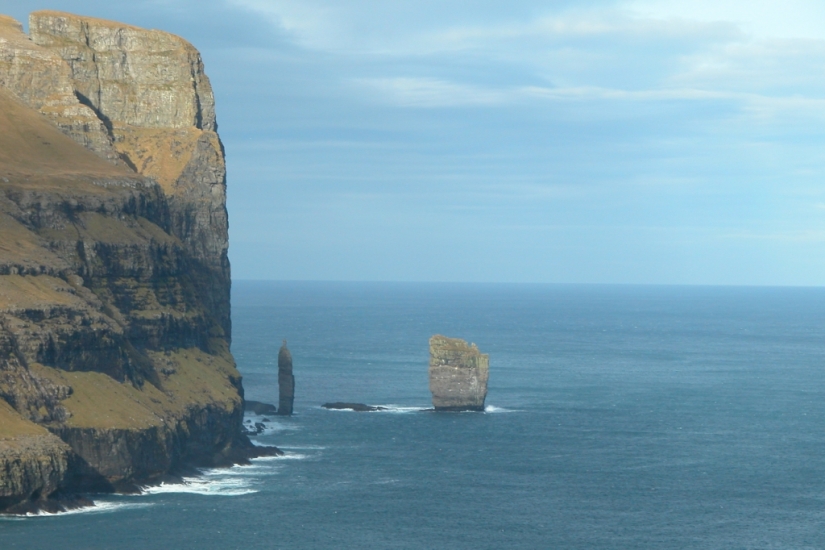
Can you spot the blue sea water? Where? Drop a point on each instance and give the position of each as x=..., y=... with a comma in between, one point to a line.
x=618, y=417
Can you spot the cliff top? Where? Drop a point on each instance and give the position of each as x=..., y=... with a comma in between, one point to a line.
x=69, y=25
x=443, y=343
x=75, y=17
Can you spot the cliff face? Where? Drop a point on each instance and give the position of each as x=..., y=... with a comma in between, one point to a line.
x=114, y=279
x=150, y=90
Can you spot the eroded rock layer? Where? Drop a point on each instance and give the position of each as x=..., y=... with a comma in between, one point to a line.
x=458, y=375
x=114, y=281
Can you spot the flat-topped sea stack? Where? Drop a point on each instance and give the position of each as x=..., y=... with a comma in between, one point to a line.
x=458, y=375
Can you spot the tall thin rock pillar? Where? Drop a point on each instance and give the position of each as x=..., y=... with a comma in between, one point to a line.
x=286, y=382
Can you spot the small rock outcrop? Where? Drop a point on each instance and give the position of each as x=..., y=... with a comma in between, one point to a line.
x=458, y=375
x=357, y=407
x=259, y=408
x=286, y=382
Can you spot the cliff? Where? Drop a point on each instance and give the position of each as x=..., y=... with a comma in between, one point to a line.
x=114, y=280
x=458, y=375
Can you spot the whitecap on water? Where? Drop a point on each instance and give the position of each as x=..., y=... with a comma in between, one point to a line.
x=285, y=456
x=99, y=507
x=494, y=409
x=212, y=483
x=398, y=409
x=247, y=470
x=270, y=426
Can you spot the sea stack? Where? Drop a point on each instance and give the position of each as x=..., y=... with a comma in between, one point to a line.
x=286, y=382
x=458, y=375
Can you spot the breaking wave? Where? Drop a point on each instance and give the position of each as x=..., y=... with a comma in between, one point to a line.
x=234, y=481
x=99, y=507
x=494, y=409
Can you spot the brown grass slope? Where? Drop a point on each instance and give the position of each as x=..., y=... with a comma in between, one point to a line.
x=31, y=146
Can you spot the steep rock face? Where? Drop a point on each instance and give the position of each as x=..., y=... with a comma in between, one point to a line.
x=151, y=90
x=458, y=375
x=42, y=79
x=114, y=313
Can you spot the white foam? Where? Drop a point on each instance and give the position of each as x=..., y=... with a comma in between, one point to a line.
x=99, y=507
x=270, y=427
x=385, y=481
x=293, y=456
x=398, y=409
x=285, y=456
x=247, y=470
x=494, y=409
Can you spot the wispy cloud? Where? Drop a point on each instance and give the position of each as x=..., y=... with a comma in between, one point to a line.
x=430, y=92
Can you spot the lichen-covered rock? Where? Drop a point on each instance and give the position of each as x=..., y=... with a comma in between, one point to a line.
x=286, y=381
x=458, y=375
x=41, y=78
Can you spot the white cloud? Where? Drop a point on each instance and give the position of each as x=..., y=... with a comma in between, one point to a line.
x=311, y=24
x=430, y=92
x=761, y=18
x=422, y=55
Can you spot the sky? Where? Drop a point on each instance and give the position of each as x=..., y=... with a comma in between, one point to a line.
x=587, y=141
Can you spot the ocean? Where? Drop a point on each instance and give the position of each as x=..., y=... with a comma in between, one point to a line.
x=617, y=417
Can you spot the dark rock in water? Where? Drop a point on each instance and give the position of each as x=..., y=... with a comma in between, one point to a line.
x=258, y=452
x=458, y=375
x=259, y=408
x=357, y=407
x=265, y=419
x=286, y=382
x=256, y=430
